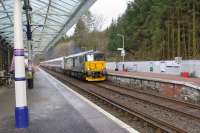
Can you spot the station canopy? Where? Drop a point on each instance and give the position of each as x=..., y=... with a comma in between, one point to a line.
x=49, y=20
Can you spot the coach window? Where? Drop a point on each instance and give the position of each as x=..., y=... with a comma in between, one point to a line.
x=81, y=59
x=73, y=62
x=76, y=61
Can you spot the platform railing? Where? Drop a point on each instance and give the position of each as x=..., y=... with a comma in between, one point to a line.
x=6, y=78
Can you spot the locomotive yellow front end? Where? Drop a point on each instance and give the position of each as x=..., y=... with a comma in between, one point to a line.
x=95, y=70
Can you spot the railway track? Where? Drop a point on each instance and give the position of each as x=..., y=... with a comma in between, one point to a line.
x=161, y=115
x=173, y=100
x=191, y=110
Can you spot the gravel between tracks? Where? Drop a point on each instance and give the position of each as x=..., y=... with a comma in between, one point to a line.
x=164, y=114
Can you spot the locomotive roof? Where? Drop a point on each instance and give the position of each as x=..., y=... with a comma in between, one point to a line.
x=79, y=54
x=82, y=53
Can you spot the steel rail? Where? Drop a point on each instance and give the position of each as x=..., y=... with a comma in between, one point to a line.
x=187, y=104
x=153, y=103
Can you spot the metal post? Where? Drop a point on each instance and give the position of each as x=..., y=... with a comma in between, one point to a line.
x=123, y=49
x=8, y=58
x=27, y=9
x=21, y=110
x=1, y=57
x=30, y=68
x=29, y=54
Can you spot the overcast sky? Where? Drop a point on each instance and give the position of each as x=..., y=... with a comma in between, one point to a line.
x=108, y=9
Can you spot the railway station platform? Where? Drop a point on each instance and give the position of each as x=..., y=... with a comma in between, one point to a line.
x=159, y=76
x=187, y=89
x=54, y=108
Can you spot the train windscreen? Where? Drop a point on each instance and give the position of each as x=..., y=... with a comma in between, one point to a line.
x=90, y=57
x=99, y=57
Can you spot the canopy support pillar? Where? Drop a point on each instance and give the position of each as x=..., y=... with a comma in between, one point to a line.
x=21, y=109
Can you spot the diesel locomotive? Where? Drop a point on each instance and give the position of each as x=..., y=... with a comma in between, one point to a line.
x=88, y=65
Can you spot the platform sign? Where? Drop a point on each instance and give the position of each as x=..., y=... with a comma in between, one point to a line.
x=123, y=53
x=120, y=49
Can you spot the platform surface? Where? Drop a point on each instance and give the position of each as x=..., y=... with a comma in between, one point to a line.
x=159, y=76
x=54, y=109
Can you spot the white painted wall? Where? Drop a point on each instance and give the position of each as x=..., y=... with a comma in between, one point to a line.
x=170, y=67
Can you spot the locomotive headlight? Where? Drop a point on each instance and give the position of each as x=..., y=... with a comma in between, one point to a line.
x=88, y=69
x=89, y=73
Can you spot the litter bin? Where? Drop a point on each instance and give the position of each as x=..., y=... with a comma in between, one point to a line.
x=151, y=67
x=185, y=74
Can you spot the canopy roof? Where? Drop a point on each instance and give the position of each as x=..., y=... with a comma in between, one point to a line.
x=50, y=20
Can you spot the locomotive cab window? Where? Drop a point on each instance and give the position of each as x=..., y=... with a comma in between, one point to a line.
x=90, y=57
x=99, y=57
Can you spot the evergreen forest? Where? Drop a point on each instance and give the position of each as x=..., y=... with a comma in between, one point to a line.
x=158, y=29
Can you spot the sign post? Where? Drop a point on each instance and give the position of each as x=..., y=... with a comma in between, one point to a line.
x=122, y=49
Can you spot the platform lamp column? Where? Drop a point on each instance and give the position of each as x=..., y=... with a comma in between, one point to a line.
x=30, y=66
x=29, y=72
x=122, y=50
x=21, y=110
